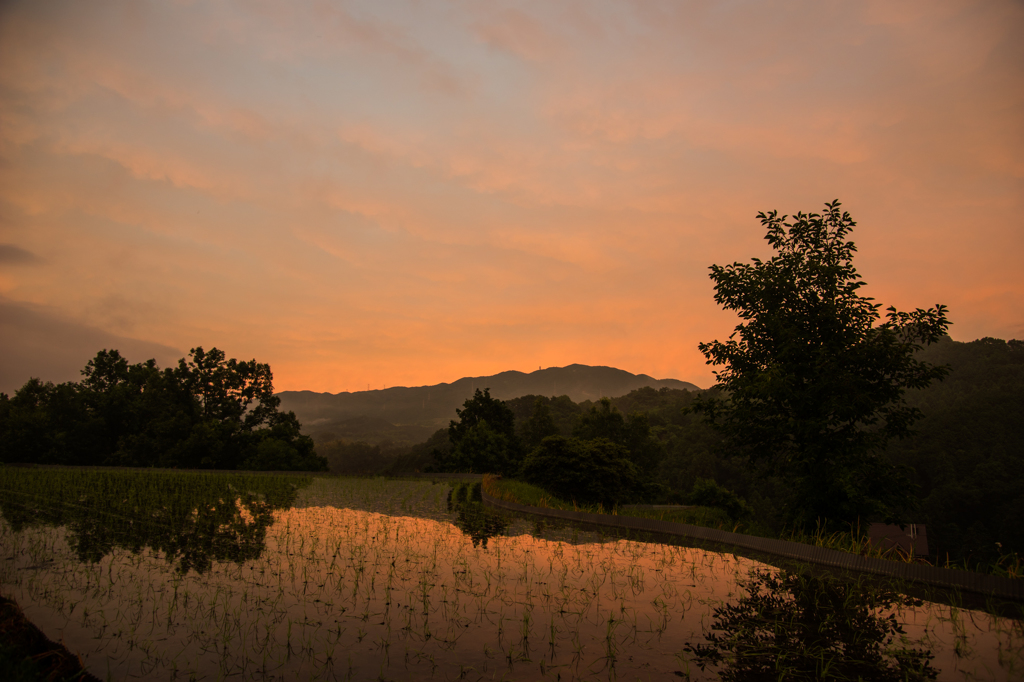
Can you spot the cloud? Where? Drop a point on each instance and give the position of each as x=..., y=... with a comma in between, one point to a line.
x=36, y=342
x=15, y=255
x=517, y=32
x=413, y=191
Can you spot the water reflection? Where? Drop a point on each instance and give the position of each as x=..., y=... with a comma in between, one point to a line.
x=193, y=519
x=802, y=627
x=480, y=523
x=375, y=579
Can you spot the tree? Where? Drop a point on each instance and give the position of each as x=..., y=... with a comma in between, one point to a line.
x=43, y=423
x=813, y=383
x=708, y=493
x=633, y=433
x=595, y=471
x=206, y=413
x=482, y=408
x=483, y=440
x=229, y=390
x=239, y=425
x=540, y=425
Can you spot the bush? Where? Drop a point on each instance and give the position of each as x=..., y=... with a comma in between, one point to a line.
x=590, y=472
x=707, y=493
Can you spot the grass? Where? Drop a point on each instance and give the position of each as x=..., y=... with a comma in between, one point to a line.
x=1009, y=566
x=854, y=541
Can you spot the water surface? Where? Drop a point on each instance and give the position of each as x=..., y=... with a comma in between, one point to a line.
x=374, y=579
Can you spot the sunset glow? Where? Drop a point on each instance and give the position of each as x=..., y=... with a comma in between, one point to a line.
x=406, y=193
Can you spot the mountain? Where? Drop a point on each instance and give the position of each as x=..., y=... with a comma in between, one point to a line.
x=414, y=413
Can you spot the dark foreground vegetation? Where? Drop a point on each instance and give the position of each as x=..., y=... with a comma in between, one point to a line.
x=27, y=655
x=206, y=413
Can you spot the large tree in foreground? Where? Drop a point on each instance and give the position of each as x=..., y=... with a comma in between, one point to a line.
x=813, y=378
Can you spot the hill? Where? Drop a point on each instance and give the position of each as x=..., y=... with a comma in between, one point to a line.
x=412, y=413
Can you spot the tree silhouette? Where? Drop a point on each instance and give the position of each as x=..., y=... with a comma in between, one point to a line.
x=812, y=384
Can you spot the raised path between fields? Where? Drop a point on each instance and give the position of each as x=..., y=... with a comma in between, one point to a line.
x=948, y=578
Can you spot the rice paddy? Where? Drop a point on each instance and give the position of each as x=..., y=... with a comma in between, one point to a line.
x=220, y=576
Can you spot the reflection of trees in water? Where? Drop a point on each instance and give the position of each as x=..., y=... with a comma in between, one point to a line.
x=472, y=517
x=799, y=627
x=194, y=519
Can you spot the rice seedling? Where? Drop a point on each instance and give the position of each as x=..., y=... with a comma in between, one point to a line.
x=210, y=576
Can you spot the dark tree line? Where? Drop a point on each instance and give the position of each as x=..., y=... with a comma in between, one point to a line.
x=599, y=456
x=208, y=412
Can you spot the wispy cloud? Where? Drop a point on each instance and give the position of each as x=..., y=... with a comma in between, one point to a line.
x=15, y=255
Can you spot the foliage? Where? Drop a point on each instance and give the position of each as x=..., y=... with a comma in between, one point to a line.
x=799, y=627
x=482, y=408
x=968, y=452
x=420, y=457
x=595, y=471
x=633, y=433
x=480, y=448
x=815, y=388
x=707, y=493
x=483, y=440
x=206, y=413
x=351, y=458
x=562, y=410
x=539, y=426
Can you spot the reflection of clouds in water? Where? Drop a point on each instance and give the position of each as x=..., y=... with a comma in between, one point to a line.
x=377, y=576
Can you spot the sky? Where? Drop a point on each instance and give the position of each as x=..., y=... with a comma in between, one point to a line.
x=370, y=194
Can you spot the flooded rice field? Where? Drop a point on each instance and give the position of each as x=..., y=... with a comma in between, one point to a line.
x=183, y=576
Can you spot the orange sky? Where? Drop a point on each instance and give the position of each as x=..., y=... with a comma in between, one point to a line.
x=405, y=193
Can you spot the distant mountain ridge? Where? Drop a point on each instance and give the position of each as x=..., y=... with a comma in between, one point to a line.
x=430, y=407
